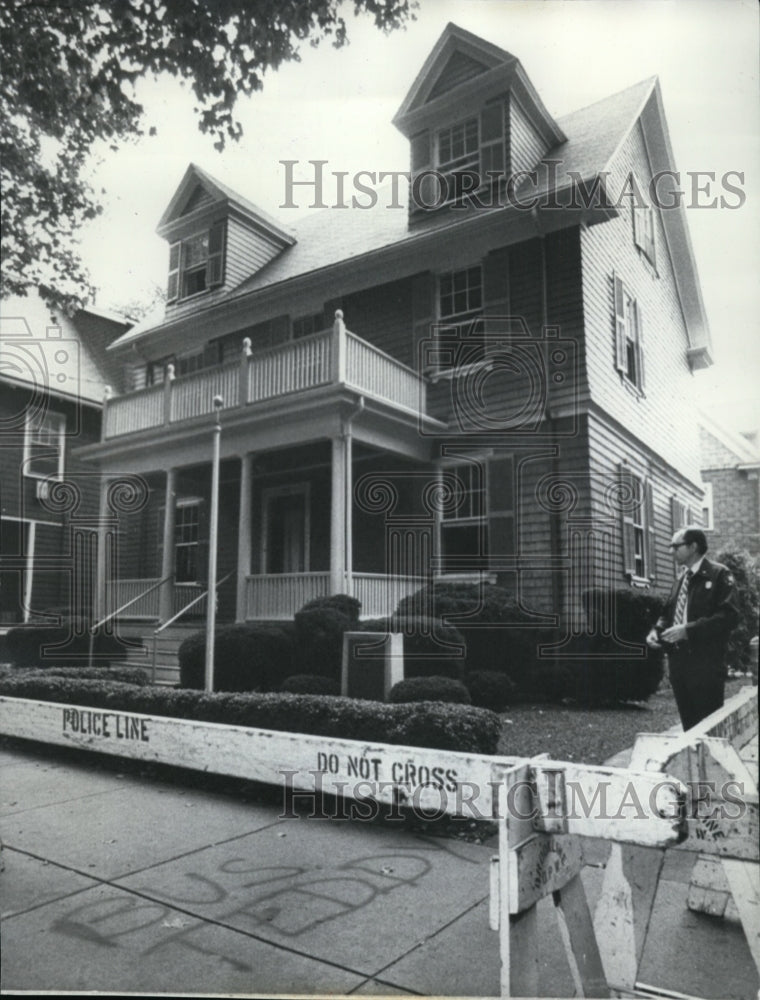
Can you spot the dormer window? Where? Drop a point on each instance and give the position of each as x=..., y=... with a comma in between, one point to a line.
x=458, y=148
x=196, y=264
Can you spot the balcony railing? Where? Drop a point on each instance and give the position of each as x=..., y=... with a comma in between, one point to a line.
x=277, y=596
x=330, y=357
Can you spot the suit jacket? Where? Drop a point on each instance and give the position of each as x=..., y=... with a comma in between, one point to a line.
x=711, y=611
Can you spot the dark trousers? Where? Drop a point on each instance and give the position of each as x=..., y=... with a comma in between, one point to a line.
x=698, y=687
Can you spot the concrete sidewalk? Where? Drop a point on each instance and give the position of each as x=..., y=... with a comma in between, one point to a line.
x=119, y=881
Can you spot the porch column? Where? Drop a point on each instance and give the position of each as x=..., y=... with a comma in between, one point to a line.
x=244, y=537
x=166, y=593
x=349, y=517
x=338, y=516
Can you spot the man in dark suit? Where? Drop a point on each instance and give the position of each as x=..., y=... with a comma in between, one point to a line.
x=694, y=627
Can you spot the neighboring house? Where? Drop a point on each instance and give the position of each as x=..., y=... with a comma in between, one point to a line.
x=509, y=401
x=730, y=465
x=53, y=372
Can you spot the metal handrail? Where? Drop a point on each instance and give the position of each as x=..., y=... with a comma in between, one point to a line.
x=179, y=614
x=129, y=603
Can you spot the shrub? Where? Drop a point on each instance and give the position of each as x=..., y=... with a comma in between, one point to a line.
x=429, y=724
x=66, y=644
x=548, y=681
x=319, y=629
x=348, y=606
x=496, y=629
x=246, y=658
x=603, y=668
x=125, y=675
x=429, y=689
x=744, y=569
x=310, y=684
x=431, y=649
x=489, y=689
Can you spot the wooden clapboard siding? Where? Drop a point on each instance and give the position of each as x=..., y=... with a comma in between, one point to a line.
x=247, y=251
x=383, y=316
x=527, y=147
x=608, y=446
x=663, y=417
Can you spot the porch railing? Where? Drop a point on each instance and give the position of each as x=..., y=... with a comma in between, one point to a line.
x=380, y=594
x=331, y=357
x=277, y=596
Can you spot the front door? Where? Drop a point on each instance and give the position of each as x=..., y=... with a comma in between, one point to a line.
x=286, y=530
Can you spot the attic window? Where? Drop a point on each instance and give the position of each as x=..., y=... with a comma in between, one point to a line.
x=196, y=264
x=470, y=154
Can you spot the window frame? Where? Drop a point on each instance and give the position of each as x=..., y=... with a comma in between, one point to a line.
x=708, y=510
x=211, y=266
x=638, y=527
x=182, y=504
x=629, y=335
x=472, y=514
x=59, y=448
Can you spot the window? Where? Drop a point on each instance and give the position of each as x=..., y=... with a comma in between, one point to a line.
x=461, y=294
x=637, y=510
x=643, y=223
x=707, y=507
x=464, y=530
x=473, y=147
x=629, y=349
x=157, y=371
x=196, y=264
x=187, y=520
x=44, y=445
x=304, y=326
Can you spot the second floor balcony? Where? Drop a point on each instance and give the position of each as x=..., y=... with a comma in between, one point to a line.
x=331, y=357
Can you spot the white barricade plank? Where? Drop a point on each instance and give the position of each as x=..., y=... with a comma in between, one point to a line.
x=579, y=938
x=540, y=865
x=744, y=881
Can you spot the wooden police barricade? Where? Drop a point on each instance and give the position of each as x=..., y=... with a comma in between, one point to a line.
x=720, y=822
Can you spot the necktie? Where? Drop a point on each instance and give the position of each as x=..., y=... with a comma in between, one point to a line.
x=679, y=617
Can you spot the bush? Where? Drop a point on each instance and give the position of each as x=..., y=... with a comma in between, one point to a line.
x=125, y=675
x=28, y=645
x=744, y=570
x=319, y=640
x=431, y=649
x=495, y=628
x=429, y=689
x=489, y=689
x=600, y=667
x=246, y=658
x=548, y=681
x=310, y=684
x=348, y=606
x=429, y=724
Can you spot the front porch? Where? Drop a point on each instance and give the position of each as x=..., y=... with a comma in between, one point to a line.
x=294, y=524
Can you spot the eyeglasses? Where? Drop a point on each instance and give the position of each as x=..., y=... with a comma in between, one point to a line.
x=679, y=544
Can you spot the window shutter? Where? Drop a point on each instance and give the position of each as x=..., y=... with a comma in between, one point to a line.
x=677, y=514
x=423, y=312
x=215, y=265
x=172, y=287
x=640, y=346
x=629, y=538
x=620, y=362
x=638, y=234
x=651, y=553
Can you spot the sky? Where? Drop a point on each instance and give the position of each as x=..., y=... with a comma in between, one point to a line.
x=337, y=105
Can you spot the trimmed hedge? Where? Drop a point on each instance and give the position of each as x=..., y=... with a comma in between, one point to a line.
x=422, y=724
x=343, y=603
x=310, y=684
x=26, y=645
x=430, y=647
x=429, y=689
x=124, y=675
x=744, y=569
x=489, y=689
x=319, y=632
x=495, y=628
x=246, y=658
x=599, y=669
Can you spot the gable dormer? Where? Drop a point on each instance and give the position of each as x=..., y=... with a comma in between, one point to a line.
x=216, y=240
x=473, y=119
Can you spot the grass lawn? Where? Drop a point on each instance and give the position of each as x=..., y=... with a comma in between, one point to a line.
x=592, y=735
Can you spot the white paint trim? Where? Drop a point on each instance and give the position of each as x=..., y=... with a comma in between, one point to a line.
x=29, y=571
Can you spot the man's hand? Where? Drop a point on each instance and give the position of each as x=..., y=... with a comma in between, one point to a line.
x=676, y=633
x=653, y=639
